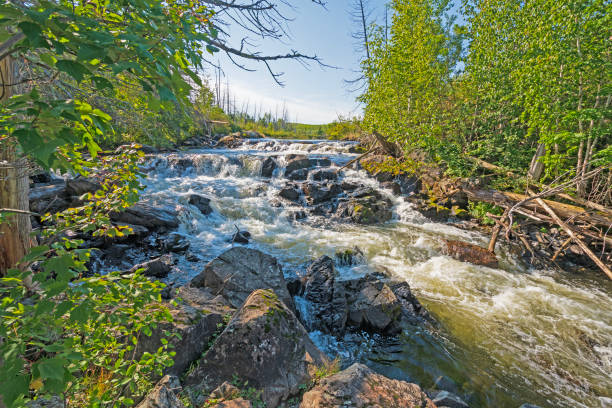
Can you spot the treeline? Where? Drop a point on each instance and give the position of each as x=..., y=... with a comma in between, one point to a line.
x=525, y=86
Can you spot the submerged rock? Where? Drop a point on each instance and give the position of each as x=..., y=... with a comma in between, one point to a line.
x=265, y=345
x=296, y=163
x=466, y=252
x=201, y=203
x=298, y=175
x=239, y=271
x=289, y=193
x=174, y=242
x=241, y=236
x=360, y=387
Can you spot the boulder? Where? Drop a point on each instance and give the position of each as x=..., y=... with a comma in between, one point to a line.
x=268, y=166
x=365, y=210
x=174, y=242
x=196, y=319
x=147, y=215
x=51, y=198
x=158, y=267
x=324, y=174
x=327, y=294
x=289, y=193
x=298, y=175
x=201, y=203
x=395, y=188
x=296, y=163
x=350, y=257
x=466, y=252
x=265, y=345
x=412, y=310
x=229, y=141
x=450, y=400
x=374, y=307
x=239, y=271
x=163, y=395
x=444, y=383
x=241, y=236
x=317, y=193
x=81, y=185
x=360, y=387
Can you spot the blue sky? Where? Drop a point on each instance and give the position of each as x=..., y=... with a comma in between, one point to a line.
x=315, y=95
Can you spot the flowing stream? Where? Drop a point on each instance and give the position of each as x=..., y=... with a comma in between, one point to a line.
x=506, y=336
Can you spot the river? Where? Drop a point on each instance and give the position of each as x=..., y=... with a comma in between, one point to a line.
x=506, y=336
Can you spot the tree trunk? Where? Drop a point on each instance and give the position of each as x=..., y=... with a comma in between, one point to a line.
x=537, y=167
x=15, y=229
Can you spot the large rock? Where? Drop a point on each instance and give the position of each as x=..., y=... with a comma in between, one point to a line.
x=201, y=203
x=450, y=400
x=371, y=302
x=81, y=185
x=328, y=296
x=268, y=166
x=196, y=319
x=163, y=396
x=366, y=206
x=289, y=193
x=317, y=193
x=51, y=198
x=298, y=175
x=158, y=267
x=174, y=242
x=147, y=215
x=325, y=174
x=265, y=345
x=297, y=163
x=374, y=306
x=466, y=252
x=360, y=387
x=239, y=271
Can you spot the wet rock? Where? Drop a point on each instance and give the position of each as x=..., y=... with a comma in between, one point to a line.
x=147, y=215
x=323, y=162
x=239, y=271
x=413, y=311
x=350, y=257
x=366, y=210
x=298, y=175
x=41, y=177
x=289, y=193
x=296, y=215
x=81, y=185
x=529, y=406
x=51, y=198
x=265, y=345
x=241, y=236
x=374, y=307
x=174, y=242
x=296, y=163
x=135, y=231
x=158, y=267
x=395, y=188
x=295, y=285
x=317, y=193
x=360, y=387
x=268, y=166
x=327, y=294
x=450, y=400
x=48, y=402
x=466, y=252
x=195, y=321
x=163, y=395
x=201, y=203
x=445, y=383
x=347, y=186
x=324, y=175
x=409, y=184
x=229, y=141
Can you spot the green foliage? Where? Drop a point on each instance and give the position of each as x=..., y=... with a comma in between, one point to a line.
x=480, y=209
x=345, y=129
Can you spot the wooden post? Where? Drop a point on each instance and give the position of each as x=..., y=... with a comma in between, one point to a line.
x=15, y=228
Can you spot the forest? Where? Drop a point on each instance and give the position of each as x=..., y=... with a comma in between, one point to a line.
x=510, y=102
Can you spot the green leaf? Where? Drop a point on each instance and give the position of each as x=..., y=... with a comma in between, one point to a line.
x=32, y=31
x=73, y=68
x=101, y=83
x=52, y=368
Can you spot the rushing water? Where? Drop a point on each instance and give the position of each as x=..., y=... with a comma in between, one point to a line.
x=506, y=336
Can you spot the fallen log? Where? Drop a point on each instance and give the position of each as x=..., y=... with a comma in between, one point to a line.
x=507, y=199
x=573, y=236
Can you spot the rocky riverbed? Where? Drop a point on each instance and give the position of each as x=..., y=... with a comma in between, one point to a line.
x=302, y=283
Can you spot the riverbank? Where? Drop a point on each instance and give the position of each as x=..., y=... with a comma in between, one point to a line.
x=371, y=281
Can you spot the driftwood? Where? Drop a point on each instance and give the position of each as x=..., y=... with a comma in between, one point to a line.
x=574, y=237
x=355, y=159
x=506, y=199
